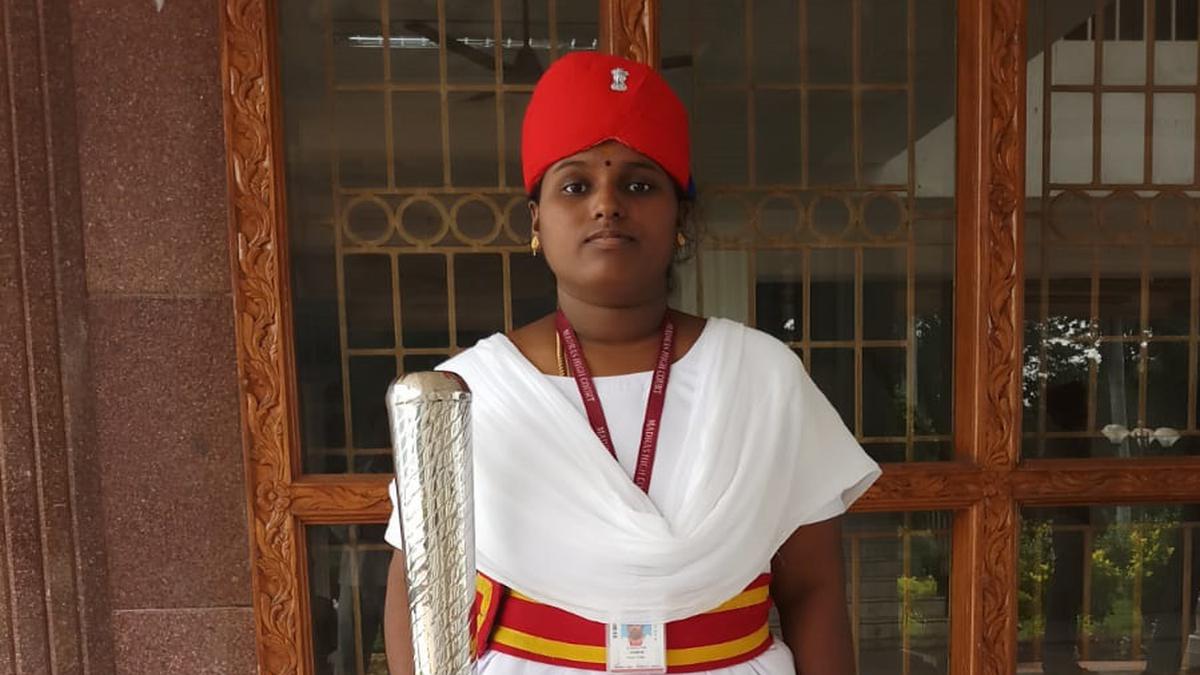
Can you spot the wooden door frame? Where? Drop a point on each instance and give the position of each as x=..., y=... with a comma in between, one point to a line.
x=984, y=485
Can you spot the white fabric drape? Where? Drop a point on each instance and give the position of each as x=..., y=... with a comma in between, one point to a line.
x=558, y=520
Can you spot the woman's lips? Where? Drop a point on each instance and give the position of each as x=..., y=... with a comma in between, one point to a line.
x=609, y=239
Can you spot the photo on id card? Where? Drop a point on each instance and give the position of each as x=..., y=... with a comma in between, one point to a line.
x=636, y=648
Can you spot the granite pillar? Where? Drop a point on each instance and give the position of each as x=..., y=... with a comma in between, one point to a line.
x=54, y=613
x=161, y=339
x=123, y=542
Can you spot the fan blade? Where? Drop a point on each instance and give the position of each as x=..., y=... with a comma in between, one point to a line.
x=482, y=59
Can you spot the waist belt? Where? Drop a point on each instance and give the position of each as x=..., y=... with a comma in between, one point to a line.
x=517, y=625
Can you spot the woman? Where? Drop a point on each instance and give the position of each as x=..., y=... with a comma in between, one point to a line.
x=731, y=468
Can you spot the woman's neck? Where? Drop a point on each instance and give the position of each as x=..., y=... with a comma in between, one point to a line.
x=613, y=326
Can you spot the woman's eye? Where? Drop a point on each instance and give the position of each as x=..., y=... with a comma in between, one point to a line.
x=640, y=187
x=574, y=188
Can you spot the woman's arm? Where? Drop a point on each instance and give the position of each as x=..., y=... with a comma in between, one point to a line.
x=397, y=627
x=809, y=589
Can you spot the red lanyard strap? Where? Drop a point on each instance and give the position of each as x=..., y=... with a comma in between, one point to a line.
x=595, y=411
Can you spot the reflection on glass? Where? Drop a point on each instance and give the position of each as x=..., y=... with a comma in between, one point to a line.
x=884, y=293
x=878, y=23
x=830, y=40
x=514, y=113
x=720, y=138
x=1070, y=137
x=833, y=371
x=407, y=223
x=780, y=295
x=1119, y=113
x=414, y=27
x=470, y=43
x=776, y=41
x=721, y=27
x=416, y=133
x=1174, y=139
x=884, y=149
x=884, y=392
x=1109, y=589
x=1170, y=292
x=898, y=585
x=527, y=21
x=368, y=301
x=423, y=301
x=833, y=294
x=779, y=140
x=1112, y=244
x=473, y=139
x=933, y=381
x=832, y=162
x=354, y=23
x=362, y=161
x=347, y=577
x=825, y=171
x=479, y=296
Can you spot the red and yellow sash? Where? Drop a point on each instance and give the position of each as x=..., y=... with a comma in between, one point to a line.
x=517, y=625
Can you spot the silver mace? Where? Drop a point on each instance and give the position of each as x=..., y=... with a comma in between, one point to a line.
x=430, y=415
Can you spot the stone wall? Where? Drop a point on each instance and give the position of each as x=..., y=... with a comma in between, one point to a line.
x=122, y=501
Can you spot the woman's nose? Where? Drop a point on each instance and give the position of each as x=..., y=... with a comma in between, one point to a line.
x=606, y=204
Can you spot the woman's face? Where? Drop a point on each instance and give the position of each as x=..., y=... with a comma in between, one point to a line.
x=607, y=219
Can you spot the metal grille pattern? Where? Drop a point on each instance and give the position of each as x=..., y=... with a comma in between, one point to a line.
x=824, y=152
x=408, y=223
x=1113, y=250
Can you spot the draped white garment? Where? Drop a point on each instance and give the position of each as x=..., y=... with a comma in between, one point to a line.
x=557, y=519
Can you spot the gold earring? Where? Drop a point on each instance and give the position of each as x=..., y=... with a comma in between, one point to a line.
x=534, y=245
x=680, y=239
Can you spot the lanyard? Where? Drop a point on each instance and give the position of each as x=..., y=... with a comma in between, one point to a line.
x=595, y=412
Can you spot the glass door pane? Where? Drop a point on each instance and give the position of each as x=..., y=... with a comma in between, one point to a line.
x=1112, y=247
x=1109, y=588
x=347, y=579
x=823, y=147
x=407, y=222
x=898, y=590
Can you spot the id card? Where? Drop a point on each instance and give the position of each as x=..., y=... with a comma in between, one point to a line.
x=637, y=648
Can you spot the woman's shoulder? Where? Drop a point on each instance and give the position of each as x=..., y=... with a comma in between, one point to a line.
x=483, y=352
x=757, y=345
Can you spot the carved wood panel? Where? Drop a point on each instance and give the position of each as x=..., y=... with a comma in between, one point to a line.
x=1002, y=239
x=342, y=499
x=1003, y=274
x=988, y=276
x=1065, y=482
x=630, y=28
x=262, y=334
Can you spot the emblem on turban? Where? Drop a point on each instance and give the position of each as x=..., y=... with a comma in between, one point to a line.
x=619, y=75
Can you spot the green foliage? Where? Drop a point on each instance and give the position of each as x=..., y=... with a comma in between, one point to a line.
x=909, y=590
x=1035, y=568
x=1122, y=554
x=1116, y=624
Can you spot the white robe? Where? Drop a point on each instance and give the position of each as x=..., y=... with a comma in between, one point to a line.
x=749, y=451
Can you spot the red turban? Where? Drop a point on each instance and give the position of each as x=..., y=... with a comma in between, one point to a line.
x=586, y=98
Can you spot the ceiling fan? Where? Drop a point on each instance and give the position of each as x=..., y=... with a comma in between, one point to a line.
x=525, y=67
